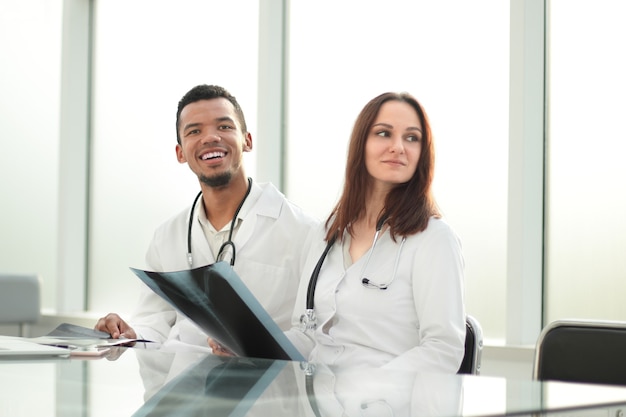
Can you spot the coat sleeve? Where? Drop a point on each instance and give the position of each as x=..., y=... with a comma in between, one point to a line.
x=153, y=317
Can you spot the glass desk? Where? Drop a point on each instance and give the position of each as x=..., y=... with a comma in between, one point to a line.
x=148, y=382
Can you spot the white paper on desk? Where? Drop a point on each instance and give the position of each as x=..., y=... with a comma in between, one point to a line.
x=13, y=346
x=215, y=298
x=69, y=330
x=72, y=336
x=74, y=342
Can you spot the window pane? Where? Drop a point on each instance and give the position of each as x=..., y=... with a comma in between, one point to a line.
x=453, y=56
x=30, y=76
x=586, y=266
x=147, y=55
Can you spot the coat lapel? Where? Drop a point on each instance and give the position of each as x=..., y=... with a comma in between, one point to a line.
x=268, y=204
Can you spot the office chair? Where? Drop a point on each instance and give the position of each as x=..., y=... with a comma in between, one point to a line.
x=473, y=347
x=590, y=351
x=19, y=300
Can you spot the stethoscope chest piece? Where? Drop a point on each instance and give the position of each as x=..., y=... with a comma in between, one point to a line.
x=308, y=321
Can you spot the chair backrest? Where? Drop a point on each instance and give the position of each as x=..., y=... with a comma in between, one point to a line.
x=19, y=300
x=473, y=347
x=589, y=351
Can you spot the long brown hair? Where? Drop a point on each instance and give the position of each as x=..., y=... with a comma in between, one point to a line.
x=409, y=205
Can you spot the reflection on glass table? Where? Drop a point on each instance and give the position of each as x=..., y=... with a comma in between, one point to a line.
x=149, y=382
x=197, y=384
x=71, y=386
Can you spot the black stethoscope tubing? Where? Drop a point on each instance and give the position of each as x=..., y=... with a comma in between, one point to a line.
x=229, y=242
x=310, y=295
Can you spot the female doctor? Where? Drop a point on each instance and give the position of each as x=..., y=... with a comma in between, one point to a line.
x=387, y=283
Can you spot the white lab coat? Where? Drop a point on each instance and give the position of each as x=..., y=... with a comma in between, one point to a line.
x=270, y=255
x=417, y=323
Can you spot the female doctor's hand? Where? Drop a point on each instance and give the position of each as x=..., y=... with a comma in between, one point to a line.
x=218, y=349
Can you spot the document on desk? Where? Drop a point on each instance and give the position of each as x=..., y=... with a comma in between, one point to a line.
x=217, y=300
x=72, y=336
x=19, y=347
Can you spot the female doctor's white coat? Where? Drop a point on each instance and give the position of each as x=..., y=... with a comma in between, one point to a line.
x=417, y=323
x=270, y=256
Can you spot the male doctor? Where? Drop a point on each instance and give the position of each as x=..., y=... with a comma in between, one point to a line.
x=266, y=230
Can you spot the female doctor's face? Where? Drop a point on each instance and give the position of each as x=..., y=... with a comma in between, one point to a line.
x=212, y=142
x=394, y=144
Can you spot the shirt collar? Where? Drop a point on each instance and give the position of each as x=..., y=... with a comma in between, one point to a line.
x=253, y=197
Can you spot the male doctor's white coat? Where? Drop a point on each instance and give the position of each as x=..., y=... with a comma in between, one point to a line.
x=270, y=256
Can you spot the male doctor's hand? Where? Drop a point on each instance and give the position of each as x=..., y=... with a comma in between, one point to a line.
x=116, y=327
x=218, y=349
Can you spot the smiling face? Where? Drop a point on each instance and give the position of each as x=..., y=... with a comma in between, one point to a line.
x=212, y=141
x=394, y=144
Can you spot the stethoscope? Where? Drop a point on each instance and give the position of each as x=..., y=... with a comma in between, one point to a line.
x=229, y=242
x=308, y=320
